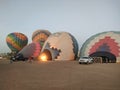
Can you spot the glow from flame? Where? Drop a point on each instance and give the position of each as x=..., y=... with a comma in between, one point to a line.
x=43, y=57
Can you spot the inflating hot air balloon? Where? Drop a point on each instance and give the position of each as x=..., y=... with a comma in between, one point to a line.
x=105, y=45
x=40, y=36
x=60, y=46
x=16, y=41
x=31, y=50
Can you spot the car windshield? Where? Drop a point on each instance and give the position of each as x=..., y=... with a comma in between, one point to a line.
x=84, y=57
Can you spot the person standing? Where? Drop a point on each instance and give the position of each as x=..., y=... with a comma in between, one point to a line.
x=30, y=59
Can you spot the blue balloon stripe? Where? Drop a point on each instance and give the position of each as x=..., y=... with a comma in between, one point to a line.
x=11, y=47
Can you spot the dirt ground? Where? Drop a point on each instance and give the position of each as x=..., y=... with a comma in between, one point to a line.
x=58, y=75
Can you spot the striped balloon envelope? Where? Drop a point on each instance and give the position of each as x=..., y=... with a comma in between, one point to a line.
x=40, y=36
x=105, y=45
x=16, y=41
x=31, y=50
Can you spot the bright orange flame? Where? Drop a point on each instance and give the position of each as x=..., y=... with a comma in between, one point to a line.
x=43, y=57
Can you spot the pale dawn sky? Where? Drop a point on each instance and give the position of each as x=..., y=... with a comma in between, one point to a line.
x=81, y=18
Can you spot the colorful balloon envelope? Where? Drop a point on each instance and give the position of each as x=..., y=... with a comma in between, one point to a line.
x=31, y=50
x=16, y=41
x=105, y=45
x=40, y=36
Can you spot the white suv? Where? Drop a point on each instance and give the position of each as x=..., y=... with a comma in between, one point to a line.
x=86, y=60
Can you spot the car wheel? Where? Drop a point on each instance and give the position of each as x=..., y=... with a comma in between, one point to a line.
x=79, y=62
x=87, y=62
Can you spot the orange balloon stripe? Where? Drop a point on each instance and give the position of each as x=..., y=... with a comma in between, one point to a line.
x=9, y=40
x=21, y=36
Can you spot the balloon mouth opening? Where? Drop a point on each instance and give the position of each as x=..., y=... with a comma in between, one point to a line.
x=45, y=56
x=106, y=57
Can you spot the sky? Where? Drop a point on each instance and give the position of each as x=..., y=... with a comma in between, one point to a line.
x=81, y=18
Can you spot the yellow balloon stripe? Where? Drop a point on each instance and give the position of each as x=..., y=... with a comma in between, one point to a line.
x=12, y=42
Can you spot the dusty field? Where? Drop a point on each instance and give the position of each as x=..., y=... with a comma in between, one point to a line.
x=60, y=75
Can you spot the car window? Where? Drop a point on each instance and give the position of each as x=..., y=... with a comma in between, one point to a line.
x=84, y=57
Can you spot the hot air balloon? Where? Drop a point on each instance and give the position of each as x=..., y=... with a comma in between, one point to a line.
x=105, y=45
x=31, y=50
x=40, y=36
x=16, y=41
x=60, y=46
